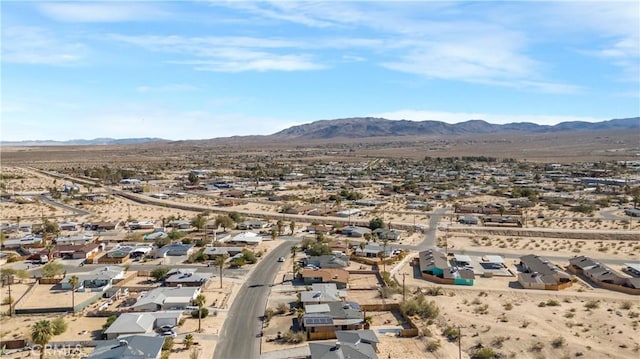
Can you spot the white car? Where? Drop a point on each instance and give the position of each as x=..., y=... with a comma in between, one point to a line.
x=169, y=333
x=281, y=259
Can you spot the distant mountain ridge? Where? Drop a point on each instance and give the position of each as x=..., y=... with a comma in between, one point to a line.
x=82, y=142
x=362, y=127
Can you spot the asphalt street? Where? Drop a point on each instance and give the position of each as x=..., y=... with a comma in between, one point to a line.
x=240, y=336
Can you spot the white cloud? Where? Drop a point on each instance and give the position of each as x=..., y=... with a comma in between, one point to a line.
x=34, y=45
x=455, y=117
x=101, y=12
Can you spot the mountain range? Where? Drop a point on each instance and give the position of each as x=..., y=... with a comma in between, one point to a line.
x=366, y=127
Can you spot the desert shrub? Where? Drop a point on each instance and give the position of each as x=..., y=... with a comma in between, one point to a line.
x=282, y=308
x=497, y=341
x=7, y=300
x=435, y=291
x=204, y=312
x=432, y=346
x=294, y=337
x=507, y=306
x=484, y=353
x=592, y=304
x=536, y=347
x=451, y=333
x=168, y=344
x=419, y=306
x=626, y=305
x=558, y=342
x=481, y=309
x=110, y=320
x=268, y=314
x=552, y=303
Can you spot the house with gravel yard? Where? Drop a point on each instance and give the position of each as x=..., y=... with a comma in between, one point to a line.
x=322, y=293
x=321, y=321
x=539, y=273
x=130, y=347
x=339, y=277
x=141, y=323
x=435, y=267
x=186, y=277
x=98, y=280
x=350, y=344
x=603, y=275
x=166, y=298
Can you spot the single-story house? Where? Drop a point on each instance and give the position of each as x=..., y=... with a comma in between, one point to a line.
x=30, y=240
x=116, y=255
x=186, y=277
x=141, y=323
x=434, y=263
x=174, y=249
x=319, y=229
x=179, y=224
x=322, y=293
x=339, y=277
x=101, y=226
x=539, y=273
x=251, y=224
x=246, y=238
x=78, y=239
x=212, y=251
x=361, y=344
x=166, y=298
x=142, y=225
x=321, y=321
x=335, y=260
x=354, y=231
x=70, y=251
x=68, y=226
x=468, y=220
x=129, y=347
x=348, y=212
x=388, y=234
x=372, y=250
x=98, y=280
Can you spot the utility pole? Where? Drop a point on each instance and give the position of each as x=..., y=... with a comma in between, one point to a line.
x=459, y=342
x=403, y=288
x=8, y=278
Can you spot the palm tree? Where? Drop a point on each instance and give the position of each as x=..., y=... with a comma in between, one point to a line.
x=199, y=301
x=292, y=227
x=41, y=334
x=294, y=249
x=384, y=254
x=274, y=234
x=188, y=341
x=74, y=281
x=280, y=226
x=362, y=245
x=219, y=262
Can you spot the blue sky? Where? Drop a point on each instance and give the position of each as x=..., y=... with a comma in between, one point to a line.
x=193, y=70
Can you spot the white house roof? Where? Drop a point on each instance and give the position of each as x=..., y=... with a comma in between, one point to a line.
x=317, y=308
x=494, y=259
x=462, y=258
x=173, y=295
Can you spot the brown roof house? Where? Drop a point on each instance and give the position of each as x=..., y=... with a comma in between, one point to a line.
x=339, y=277
x=539, y=273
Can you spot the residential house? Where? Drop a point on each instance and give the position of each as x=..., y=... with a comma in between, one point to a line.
x=603, y=275
x=339, y=277
x=116, y=255
x=354, y=231
x=181, y=224
x=539, y=273
x=322, y=293
x=372, y=250
x=98, y=280
x=370, y=202
x=212, y=252
x=70, y=251
x=166, y=298
x=102, y=226
x=388, y=234
x=335, y=260
x=30, y=240
x=319, y=229
x=128, y=347
x=468, y=220
x=186, y=277
x=142, y=225
x=343, y=348
x=245, y=238
x=68, y=226
x=141, y=323
x=349, y=212
x=78, y=239
x=251, y=224
x=321, y=321
x=435, y=266
x=174, y=250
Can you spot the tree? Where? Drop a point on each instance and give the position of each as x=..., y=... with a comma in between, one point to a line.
x=160, y=273
x=274, y=234
x=199, y=222
x=385, y=242
x=219, y=262
x=224, y=221
x=193, y=178
x=188, y=341
x=294, y=250
x=200, y=301
x=292, y=227
x=110, y=320
x=73, y=281
x=376, y=223
x=43, y=330
x=280, y=226
x=52, y=269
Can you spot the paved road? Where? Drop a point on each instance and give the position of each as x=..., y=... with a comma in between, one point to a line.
x=239, y=335
x=430, y=236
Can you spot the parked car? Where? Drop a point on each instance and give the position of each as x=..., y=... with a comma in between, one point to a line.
x=170, y=333
x=166, y=328
x=281, y=259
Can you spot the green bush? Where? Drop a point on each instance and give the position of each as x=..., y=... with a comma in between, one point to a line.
x=484, y=353
x=419, y=306
x=204, y=313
